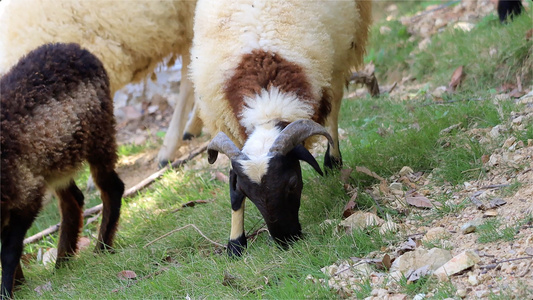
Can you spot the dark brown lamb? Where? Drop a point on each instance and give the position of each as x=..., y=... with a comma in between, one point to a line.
x=57, y=112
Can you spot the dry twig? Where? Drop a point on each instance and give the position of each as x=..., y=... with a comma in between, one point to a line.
x=181, y=228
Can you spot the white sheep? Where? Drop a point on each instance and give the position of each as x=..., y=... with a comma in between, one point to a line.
x=130, y=38
x=269, y=75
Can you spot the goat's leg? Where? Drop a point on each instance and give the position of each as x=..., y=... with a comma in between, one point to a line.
x=12, y=244
x=194, y=125
x=237, y=239
x=111, y=191
x=70, y=203
x=333, y=157
x=177, y=125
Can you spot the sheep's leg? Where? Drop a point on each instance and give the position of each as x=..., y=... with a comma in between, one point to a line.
x=12, y=244
x=237, y=239
x=70, y=203
x=194, y=125
x=111, y=191
x=177, y=125
x=333, y=157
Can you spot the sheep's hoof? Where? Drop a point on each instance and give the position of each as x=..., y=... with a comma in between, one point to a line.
x=331, y=162
x=237, y=247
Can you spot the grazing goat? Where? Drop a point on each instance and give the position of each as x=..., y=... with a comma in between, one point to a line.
x=130, y=38
x=269, y=75
x=57, y=113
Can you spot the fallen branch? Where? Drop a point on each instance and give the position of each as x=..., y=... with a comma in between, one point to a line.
x=130, y=192
x=181, y=228
x=494, y=265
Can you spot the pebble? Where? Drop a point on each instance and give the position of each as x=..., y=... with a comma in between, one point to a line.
x=471, y=226
x=472, y=279
x=396, y=186
x=436, y=233
x=419, y=296
x=458, y=263
x=461, y=293
x=482, y=294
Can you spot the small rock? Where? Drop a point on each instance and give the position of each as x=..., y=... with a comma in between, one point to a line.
x=481, y=294
x=406, y=170
x=439, y=92
x=458, y=263
x=436, y=233
x=496, y=131
x=472, y=279
x=490, y=213
x=529, y=251
x=419, y=258
x=361, y=220
x=471, y=226
x=389, y=226
x=509, y=142
x=396, y=186
x=50, y=256
x=518, y=120
x=461, y=293
x=419, y=296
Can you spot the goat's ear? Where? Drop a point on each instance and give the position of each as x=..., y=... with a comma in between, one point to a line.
x=303, y=154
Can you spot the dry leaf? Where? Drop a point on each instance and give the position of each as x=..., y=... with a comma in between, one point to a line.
x=366, y=171
x=457, y=77
x=418, y=201
x=497, y=202
x=126, y=275
x=409, y=245
x=345, y=175
x=386, y=261
x=529, y=34
x=349, y=208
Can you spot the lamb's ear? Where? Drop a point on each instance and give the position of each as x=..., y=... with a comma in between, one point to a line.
x=303, y=154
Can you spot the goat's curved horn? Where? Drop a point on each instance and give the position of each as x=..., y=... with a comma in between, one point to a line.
x=222, y=143
x=297, y=132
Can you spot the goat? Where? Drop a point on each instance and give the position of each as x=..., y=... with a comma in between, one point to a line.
x=56, y=113
x=268, y=76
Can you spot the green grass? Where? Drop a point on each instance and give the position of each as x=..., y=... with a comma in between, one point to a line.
x=493, y=230
x=383, y=134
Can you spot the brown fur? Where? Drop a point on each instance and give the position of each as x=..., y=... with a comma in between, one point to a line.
x=262, y=70
x=56, y=113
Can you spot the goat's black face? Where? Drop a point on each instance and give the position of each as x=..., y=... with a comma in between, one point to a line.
x=278, y=194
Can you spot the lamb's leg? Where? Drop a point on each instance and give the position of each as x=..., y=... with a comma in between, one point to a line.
x=237, y=239
x=194, y=125
x=333, y=157
x=111, y=191
x=177, y=125
x=12, y=244
x=70, y=203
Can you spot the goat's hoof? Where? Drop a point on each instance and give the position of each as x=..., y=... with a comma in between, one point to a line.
x=332, y=163
x=188, y=136
x=237, y=247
